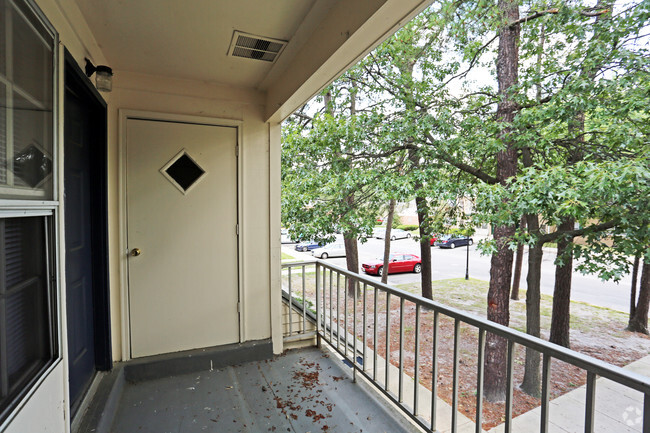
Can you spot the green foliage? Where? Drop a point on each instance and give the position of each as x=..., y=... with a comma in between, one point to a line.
x=420, y=111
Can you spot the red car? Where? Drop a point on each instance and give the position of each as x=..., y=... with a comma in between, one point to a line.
x=398, y=262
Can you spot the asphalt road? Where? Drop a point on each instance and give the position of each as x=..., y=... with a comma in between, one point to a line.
x=448, y=263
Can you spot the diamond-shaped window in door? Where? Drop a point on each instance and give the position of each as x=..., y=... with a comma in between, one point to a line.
x=183, y=171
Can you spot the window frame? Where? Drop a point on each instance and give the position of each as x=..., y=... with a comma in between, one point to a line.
x=37, y=372
x=35, y=196
x=49, y=209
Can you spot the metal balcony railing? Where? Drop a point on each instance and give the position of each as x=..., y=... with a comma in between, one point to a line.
x=354, y=314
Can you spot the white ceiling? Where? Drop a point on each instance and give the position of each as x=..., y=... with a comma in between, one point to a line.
x=190, y=38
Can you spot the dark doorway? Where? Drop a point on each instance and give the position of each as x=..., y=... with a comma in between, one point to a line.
x=88, y=317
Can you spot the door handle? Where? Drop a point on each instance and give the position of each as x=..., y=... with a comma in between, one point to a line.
x=135, y=252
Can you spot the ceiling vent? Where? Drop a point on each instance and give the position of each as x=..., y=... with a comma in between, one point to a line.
x=255, y=47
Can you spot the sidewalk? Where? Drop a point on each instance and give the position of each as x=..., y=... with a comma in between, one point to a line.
x=618, y=409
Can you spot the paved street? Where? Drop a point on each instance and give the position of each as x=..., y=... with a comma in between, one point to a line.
x=448, y=263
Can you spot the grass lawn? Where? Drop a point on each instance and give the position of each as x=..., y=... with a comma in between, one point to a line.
x=471, y=296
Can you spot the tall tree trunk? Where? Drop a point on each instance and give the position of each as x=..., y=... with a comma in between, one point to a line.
x=519, y=258
x=425, y=246
x=635, y=279
x=498, y=310
x=351, y=251
x=501, y=263
x=561, y=316
x=351, y=258
x=425, y=233
x=639, y=321
x=531, y=382
x=389, y=227
x=349, y=238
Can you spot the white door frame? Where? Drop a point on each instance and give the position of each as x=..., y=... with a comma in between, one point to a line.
x=124, y=115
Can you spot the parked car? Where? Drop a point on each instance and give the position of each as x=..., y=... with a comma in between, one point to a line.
x=331, y=250
x=397, y=262
x=434, y=238
x=394, y=234
x=307, y=246
x=453, y=241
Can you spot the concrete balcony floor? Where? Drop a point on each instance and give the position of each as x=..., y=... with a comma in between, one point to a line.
x=305, y=390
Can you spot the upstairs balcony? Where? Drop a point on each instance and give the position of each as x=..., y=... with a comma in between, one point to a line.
x=362, y=357
x=428, y=359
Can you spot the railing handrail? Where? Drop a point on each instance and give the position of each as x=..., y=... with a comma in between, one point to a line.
x=601, y=368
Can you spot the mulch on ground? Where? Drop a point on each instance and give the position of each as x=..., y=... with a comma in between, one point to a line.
x=595, y=331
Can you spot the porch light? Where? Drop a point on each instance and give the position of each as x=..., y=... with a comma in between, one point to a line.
x=104, y=77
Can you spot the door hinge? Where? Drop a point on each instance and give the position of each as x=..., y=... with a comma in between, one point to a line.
x=237, y=229
x=238, y=307
x=237, y=151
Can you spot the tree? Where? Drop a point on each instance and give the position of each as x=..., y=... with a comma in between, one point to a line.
x=519, y=258
x=635, y=280
x=639, y=320
x=498, y=309
x=324, y=191
x=389, y=226
x=559, y=136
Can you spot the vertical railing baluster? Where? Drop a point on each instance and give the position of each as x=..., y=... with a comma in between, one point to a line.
x=354, y=333
x=454, y=386
x=345, y=314
x=324, y=293
x=434, y=373
x=318, y=304
x=546, y=392
x=480, y=371
x=387, y=339
x=365, y=314
x=338, y=308
x=374, y=342
x=400, y=393
x=331, y=312
x=509, y=385
x=290, y=305
x=304, y=303
x=646, y=413
x=416, y=373
x=590, y=402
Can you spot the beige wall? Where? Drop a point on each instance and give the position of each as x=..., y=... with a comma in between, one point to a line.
x=44, y=412
x=45, y=409
x=187, y=98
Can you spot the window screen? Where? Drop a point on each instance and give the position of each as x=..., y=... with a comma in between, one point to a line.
x=26, y=101
x=28, y=343
x=26, y=316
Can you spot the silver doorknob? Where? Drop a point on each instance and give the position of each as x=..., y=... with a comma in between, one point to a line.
x=135, y=252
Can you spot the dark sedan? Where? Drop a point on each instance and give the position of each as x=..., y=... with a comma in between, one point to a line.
x=307, y=246
x=453, y=241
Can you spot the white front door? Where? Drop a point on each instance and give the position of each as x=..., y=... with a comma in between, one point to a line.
x=182, y=240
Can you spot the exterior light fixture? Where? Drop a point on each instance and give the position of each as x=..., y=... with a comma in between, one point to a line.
x=103, y=77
